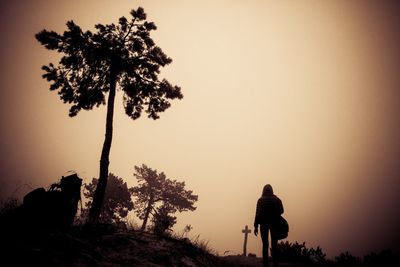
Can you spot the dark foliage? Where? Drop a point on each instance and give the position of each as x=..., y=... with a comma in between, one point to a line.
x=162, y=220
x=299, y=254
x=117, y=200
x=9, y=204
x=347, y=259
x=383, y=258
x=82, y=77
x=296, y=252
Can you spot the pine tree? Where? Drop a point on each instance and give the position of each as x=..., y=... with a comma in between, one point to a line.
x=159, y=196
x=116, y=56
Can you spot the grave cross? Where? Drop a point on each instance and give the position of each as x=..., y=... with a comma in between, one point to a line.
x=245, y=231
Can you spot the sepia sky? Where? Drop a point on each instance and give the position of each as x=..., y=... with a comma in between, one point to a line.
x=304, y=95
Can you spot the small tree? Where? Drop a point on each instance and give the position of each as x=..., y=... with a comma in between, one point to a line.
x=158, y=196
x=8, y=204
x=148, y=192
x=117, y=200
x=162, y=220
x=298, y=252
x=94, y=64
x=348, y=260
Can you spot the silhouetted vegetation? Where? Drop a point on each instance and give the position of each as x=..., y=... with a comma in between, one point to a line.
x=347, y=259
x=155, y=197
x=117, y=199
x=296, y=252
x=121, y=55
x=298, y=255
x=9, y=204
x=163, y=220
x=303, y=256
x=383, y=258
x=160, y=197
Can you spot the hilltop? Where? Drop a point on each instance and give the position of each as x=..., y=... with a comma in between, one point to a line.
x=102, y=246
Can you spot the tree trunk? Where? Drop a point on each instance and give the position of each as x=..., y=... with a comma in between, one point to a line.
x=146, y=215
x=105, y=154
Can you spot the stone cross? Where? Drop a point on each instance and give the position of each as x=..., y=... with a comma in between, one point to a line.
x=245, y=231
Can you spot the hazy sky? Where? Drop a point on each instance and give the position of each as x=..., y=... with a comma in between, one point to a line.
x=303, y=95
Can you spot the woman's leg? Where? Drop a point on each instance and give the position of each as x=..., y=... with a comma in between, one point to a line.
x=264, y=230
x=274, y=251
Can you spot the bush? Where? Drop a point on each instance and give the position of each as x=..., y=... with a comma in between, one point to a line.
x=296, y=252
x=9, y=204
x=383, y=258
x=347, y=259
x=163, y=221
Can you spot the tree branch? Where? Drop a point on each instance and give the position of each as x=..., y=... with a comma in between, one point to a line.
x=129, y=30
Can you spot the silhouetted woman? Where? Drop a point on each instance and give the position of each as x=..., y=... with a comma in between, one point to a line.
x=269, y=208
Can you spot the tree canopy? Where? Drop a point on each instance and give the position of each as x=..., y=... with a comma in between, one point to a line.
x=158, y=196
x=124, y=52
